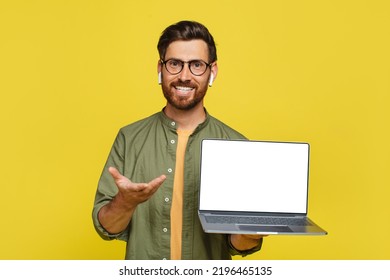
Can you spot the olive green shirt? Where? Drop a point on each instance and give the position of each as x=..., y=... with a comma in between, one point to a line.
x=143, y=151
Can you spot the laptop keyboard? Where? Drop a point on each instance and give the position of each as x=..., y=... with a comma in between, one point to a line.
x=257, y=220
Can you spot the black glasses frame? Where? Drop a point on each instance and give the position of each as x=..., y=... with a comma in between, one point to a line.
x=164, y=62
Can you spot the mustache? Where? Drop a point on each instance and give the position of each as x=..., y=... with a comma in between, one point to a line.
x=184, y=84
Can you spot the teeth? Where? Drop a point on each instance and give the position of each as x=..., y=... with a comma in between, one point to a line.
x=184, y=88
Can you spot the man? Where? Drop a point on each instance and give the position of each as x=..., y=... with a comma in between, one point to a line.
x=148, y=192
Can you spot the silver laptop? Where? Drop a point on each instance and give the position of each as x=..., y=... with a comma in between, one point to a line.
x=255, y=187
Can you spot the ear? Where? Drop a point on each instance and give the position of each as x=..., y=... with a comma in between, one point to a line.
x=159, y=66
x=159, y=69
x=213, y=74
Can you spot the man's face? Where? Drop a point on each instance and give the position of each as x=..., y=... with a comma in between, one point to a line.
x=184, y=90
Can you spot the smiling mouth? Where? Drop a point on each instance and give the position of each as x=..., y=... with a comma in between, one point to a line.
x=184, y=89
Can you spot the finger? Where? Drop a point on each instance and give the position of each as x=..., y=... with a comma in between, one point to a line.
x=121, y=181
x=157, y=181
x=254, y=236
x=153, y=185
x=115, y=173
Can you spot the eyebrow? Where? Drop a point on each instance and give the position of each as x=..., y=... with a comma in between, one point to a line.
x=186, y=60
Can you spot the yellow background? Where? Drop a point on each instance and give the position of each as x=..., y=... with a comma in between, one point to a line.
x=73, y=72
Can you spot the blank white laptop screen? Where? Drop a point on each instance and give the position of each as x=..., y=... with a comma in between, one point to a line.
x=254, y=176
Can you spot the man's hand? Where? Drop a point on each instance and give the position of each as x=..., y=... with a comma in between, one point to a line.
x=116, y=215
x=243, y=242
x=131, y=194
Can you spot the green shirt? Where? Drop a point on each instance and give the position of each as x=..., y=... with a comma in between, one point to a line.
x=143, y=151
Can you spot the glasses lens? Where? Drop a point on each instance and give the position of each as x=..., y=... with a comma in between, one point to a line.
x=174, y=66
x=198, y=67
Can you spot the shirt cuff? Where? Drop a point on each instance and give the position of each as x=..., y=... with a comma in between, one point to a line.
x=104, y=234
x=233, y=251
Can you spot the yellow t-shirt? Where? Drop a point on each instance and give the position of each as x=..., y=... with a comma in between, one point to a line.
x=177, y=198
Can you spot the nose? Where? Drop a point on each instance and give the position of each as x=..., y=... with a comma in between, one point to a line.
x=185, y=74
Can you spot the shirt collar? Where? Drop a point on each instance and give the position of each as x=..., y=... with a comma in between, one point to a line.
x=171, y=124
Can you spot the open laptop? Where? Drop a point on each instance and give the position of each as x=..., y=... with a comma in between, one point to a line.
x=255, y=187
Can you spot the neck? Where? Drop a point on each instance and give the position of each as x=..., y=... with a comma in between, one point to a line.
x=186, y=119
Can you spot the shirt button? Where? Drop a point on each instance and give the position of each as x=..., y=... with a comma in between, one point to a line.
x=173, y=123
x=165, y=229
x=172, y=141
x=166, y=199
x=170, y=170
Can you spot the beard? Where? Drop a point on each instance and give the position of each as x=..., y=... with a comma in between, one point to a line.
x=183, y=102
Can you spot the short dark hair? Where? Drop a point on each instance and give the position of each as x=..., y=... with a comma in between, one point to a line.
x=185, y=31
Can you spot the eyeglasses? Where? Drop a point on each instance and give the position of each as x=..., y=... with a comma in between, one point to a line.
x=175, y=66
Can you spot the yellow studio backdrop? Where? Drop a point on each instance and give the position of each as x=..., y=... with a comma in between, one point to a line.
x=73, y=72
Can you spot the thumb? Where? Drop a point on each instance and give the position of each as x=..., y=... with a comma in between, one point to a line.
x=115, y=173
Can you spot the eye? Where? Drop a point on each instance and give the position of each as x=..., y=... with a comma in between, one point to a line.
x=197, y=64
x=174, y=63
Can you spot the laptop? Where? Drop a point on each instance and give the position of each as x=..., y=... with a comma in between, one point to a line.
x=255, y=187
